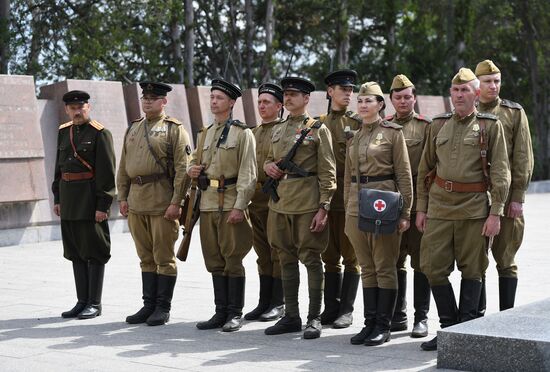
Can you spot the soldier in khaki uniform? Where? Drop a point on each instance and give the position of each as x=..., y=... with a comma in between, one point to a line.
x=456, y=214
x=340, y=290
x=227, y=176
x=415, y=130
x=151, y=184
x=83, y=189
x=377, y=153
x=271, y=304
x=296, y=225
x=520, y=156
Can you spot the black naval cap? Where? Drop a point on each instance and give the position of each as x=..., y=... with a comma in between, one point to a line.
x=297, y=84
x=158, y=89
x=76, y=96
x=273, y=89
x=345, y=78
x=231, y=90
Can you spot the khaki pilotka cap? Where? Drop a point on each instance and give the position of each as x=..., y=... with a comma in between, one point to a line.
x=463, y=76
x=372, y=88
x=401, y=82
x=486, y=67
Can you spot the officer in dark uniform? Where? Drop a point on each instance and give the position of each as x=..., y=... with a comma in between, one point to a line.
x=83, y=189
x=340, y=290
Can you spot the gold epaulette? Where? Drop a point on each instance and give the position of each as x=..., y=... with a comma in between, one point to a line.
x=65, y=125
x=173, y=120
x=97, y=125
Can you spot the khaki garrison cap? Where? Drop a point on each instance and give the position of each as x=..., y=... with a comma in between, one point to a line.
x=463, y=76
x=486, y=67
x=370, y=88
x=401, y=82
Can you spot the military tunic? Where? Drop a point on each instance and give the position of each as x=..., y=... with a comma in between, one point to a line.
x=382, y=151
x=154, y=236
x=520, y=157
x=268, y=259
x=289, y=220
x=455, y=219
x=342, y=125
x=84, y=239
x=225, y=245
x=415, y=130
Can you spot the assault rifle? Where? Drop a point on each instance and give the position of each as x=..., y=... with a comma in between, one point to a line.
x=286, y=164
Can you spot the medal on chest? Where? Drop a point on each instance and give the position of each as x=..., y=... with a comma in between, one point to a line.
x=378, y=139
x=475, y=128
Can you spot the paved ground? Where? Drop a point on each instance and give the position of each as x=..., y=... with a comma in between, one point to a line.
x=36, y=286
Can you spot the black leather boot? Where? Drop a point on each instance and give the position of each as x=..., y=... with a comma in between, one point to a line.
x=235, y=303
x=384, y=312
x=276, y=308
x=399, y=319
x=482, y=307
x=347, y=300
x=287, y=324
x=149, y=288
x=95, y=280
x=507, y=292
x=333, y=285
x=80, y=273
x=266, y=287
x=468, y=306
x=165, y=292
x=220, y=300
x=421, y=305
x=447, y=310
x=370, y=298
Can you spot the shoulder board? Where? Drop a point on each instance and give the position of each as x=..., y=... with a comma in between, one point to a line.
x=388, y=118
x=445, y=115
x=354, y=116
x=485, y=115
x=97, y=125
x=66, y=125
x=173, y=120
x=321, y=117
x=422, y=118
x=313, y=123
x=138, y=120
x=510, y=104
x=389, y=124
x=239, y=124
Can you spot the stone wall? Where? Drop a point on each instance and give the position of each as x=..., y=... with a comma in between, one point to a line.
x=28, y=139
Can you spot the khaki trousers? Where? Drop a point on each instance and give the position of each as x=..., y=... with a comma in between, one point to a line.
x=154, y=237
x=339, y=246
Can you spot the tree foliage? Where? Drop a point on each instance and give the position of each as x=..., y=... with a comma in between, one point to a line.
x=251, y=41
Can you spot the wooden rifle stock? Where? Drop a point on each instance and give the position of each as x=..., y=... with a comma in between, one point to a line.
x=191, y=217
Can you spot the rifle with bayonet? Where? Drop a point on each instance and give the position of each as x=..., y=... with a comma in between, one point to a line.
x=286, y=164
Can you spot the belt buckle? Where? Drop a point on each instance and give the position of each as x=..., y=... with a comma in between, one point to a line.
x=139, y=180
x=215, y=183
x=449, y=186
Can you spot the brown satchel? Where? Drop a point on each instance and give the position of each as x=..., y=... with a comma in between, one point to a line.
x=191, y=211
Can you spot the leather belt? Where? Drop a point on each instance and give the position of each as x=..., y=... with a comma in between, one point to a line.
x=227, y=182
x=367, y=179
x=142, y=180
x=451, y=186
x=296, y=175
x=77, y=176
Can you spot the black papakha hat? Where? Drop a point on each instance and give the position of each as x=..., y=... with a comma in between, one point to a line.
x=76, y=96
x=158, y=89
x=231, y=90
x=273, y=89
x=297, y=84
x=345, y=78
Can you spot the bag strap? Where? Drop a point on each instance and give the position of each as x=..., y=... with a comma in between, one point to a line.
x=157, y=160
x=84, y=162
x=483, y=148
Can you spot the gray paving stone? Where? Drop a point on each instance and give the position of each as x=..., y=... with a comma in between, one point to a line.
x=36, y=286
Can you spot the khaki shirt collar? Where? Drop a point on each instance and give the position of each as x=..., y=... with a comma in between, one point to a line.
x=488, y=106
x=405, y=119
